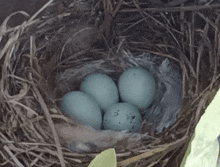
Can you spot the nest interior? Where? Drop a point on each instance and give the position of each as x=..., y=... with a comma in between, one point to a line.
x=50, y=53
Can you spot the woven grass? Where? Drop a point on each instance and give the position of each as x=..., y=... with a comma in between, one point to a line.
x=101, y=37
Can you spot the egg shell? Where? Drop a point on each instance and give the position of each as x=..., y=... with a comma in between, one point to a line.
x=82, y=107
x=122, y=116
x=102, y=88
x=137, y=86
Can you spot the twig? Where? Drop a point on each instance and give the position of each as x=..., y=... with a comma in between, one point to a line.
x=49, y=119
x=18, y=163
x=164, y=148
x=174, y=9
x=41, y=9
x=117, y=8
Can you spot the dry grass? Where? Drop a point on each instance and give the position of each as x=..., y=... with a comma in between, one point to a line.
x=39, y=64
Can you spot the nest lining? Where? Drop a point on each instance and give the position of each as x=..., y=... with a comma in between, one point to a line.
x=31, y=56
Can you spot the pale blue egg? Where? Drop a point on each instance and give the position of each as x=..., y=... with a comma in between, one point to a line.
x=102, y=88
x=122, y=117
x=137, y=86
x=83, y=108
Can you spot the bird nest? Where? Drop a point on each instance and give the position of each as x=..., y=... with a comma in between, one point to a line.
x=79, y=38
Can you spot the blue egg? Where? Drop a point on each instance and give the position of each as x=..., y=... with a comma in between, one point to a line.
x=137, y=86
x=83, y=108
x=102, y=88
x=122, y=117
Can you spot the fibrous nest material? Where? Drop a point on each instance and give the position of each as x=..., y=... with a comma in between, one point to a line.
x=81, y=37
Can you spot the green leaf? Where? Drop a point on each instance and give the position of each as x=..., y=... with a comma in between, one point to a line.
x=203, y=149
x=106, y=158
